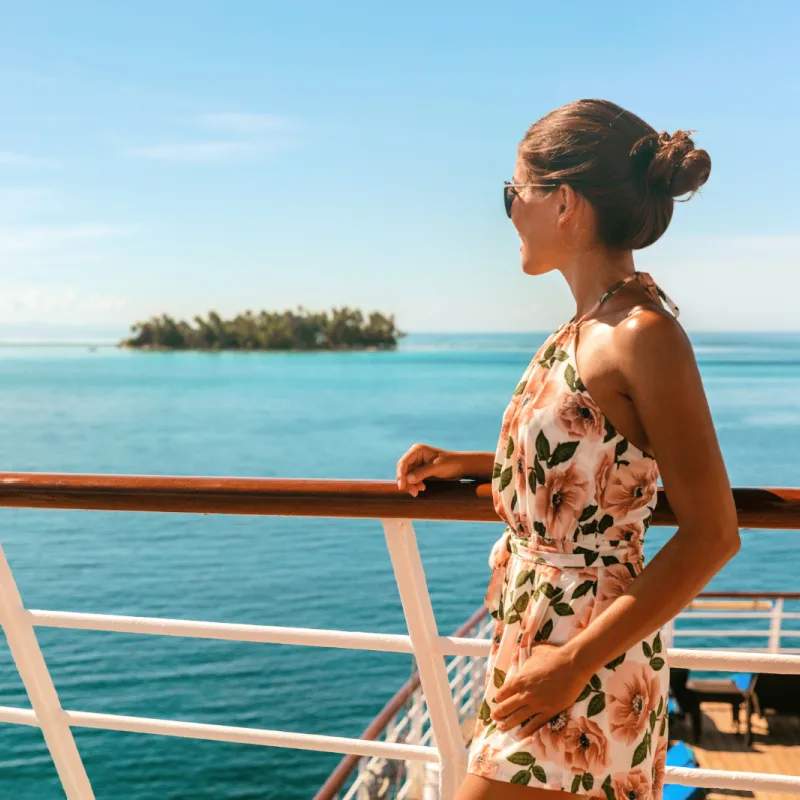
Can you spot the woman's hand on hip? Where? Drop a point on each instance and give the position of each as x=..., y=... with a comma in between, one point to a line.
x=547, y=684
x=422, y=461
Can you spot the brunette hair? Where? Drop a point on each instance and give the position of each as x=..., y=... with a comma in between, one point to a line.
x=623, y=167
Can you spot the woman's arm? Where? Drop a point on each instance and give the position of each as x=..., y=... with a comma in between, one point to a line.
x=477, y=465
x=660, y=375
x=422, y=461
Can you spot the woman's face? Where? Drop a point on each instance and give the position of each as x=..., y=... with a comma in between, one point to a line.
x=535, y=213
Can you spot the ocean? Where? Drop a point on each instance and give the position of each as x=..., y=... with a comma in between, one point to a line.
x=303, y=415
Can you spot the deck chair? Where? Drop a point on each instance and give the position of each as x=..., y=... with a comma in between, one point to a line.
x=681, y=755
x=737, y=690
x=779, y=693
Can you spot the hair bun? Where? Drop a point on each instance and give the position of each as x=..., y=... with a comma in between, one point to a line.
x=670, y=163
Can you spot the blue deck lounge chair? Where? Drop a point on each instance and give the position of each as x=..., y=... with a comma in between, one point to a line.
x=681, y=755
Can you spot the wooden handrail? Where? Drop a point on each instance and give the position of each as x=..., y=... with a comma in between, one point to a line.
x=468, y=501
x=339, y=776
x=445, y=500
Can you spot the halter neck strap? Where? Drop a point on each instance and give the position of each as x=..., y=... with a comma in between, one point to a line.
x=648, y=284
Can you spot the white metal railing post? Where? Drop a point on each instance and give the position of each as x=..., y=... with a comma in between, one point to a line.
x=416, y=771
x=363, y=792
x=668, y=633
x=775, y=624
x=478, y=671
x=38, y=684
x=478, y=676
x=413, y=588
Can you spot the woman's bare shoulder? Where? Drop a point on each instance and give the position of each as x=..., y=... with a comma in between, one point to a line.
x=650, y=331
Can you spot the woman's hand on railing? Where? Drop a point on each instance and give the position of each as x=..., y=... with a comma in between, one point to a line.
x=422, y=461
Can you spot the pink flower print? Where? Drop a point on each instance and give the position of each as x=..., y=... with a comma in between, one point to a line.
x=579, y=417
x=561, y=499
x=633, y=692
x=498, y=560
x=630, y=532
x=524, y=527
x=522, y=647
x=541, y=388
x=494, y=592
x=547, y=743
x=583, y=608
x=529, y=623
x=613, y=581
x=585, y=746
x=484, y=762
x=603, y=472
x=633, y=785
x=546, y=394
x=500, y=553
x=497, y=637
x=630, y=486
x=547, y=573
x=520, y=467
x=545, y=545
x=657, y=774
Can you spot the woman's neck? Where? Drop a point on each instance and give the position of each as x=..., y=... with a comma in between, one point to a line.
x=592, y=274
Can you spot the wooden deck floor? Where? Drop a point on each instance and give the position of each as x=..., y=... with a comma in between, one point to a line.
x=775, y=748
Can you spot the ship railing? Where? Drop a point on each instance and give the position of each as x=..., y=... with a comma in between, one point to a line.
x=406, y=718
x=454, y=501
x=770, y=611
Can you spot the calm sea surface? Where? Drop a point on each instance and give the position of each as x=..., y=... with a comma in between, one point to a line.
x=347, y=415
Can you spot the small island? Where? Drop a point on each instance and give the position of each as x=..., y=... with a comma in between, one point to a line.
x=343, y=329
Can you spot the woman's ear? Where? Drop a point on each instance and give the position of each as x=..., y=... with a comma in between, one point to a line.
x=567, y=201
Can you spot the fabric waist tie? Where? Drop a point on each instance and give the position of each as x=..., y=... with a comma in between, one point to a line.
x=588, y=558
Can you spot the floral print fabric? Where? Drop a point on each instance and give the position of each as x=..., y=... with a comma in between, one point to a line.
x=578, y=498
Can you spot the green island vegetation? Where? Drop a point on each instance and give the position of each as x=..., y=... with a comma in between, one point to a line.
x=343, y=329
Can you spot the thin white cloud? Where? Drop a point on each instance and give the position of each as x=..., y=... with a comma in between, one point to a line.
x=246, y=136
x=244, y=122
x=9, y=159
x=200, y=152
x=15, y=240
x=15, y=74
x=22, y=201
x=24, y=303
x=756, y=242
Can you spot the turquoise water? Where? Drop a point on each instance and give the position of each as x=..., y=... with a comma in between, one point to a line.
x=345, y=415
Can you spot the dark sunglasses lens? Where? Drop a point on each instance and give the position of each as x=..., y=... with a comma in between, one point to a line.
x=508, y=199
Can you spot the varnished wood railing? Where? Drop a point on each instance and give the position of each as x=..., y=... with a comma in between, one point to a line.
x=777, y=508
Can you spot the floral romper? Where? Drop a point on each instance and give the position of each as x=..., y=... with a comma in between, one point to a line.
x=578, y=498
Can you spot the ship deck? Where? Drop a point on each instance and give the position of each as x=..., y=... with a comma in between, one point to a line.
x=775, y=748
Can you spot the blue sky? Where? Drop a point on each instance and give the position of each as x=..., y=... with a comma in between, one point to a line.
x=181, y=156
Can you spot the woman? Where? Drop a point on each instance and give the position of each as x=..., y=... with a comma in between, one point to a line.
x=576, y=691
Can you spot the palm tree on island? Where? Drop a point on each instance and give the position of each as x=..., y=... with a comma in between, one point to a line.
x=342, y=329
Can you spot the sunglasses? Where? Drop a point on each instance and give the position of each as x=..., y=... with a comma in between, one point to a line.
x=510, y=192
